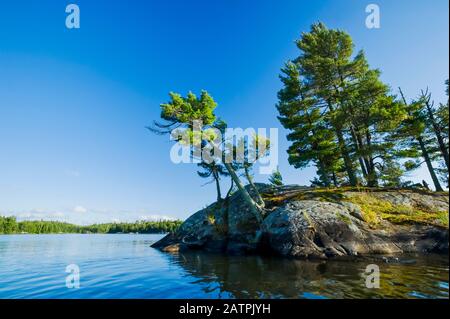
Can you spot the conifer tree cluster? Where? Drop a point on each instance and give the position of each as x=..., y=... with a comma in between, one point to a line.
x=346, y=122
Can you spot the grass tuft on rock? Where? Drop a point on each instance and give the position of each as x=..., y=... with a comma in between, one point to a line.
x=344, y=218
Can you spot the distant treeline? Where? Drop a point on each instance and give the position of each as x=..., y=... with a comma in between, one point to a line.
x=9, y=225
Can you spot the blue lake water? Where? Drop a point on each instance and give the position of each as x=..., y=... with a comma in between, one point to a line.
x=125, y=266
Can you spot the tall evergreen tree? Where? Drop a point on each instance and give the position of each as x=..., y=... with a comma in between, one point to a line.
x=337, y=109
x=373, y=116
x=313, y=140
x=325, y=62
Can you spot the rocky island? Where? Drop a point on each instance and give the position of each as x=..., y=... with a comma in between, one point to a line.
x=343, y=120
x=306, y=222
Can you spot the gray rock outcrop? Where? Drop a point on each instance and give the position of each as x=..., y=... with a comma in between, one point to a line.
x=305, y=224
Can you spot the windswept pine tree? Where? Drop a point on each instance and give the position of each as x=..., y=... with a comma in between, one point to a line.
x=337, y=110
x=194, y=118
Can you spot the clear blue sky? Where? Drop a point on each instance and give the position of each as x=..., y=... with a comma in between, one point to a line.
x=74, y=103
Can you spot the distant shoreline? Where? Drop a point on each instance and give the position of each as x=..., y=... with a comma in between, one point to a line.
x=10, y=226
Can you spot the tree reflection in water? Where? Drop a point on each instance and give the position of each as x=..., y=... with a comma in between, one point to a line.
x=271, y=277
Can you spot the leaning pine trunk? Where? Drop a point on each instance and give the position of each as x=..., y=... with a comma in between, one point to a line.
x=348, y=164
x=358, y=146
x=250, y=180
x=372, y=174
x=219, y=194
x=256, y=210
x=347, y=160
x=437, y=131
x=335, y=182
x=323, y=173
x=230, y=190
x=426, y=156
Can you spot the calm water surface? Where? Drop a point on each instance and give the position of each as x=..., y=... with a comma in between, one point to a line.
x=124, y=266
